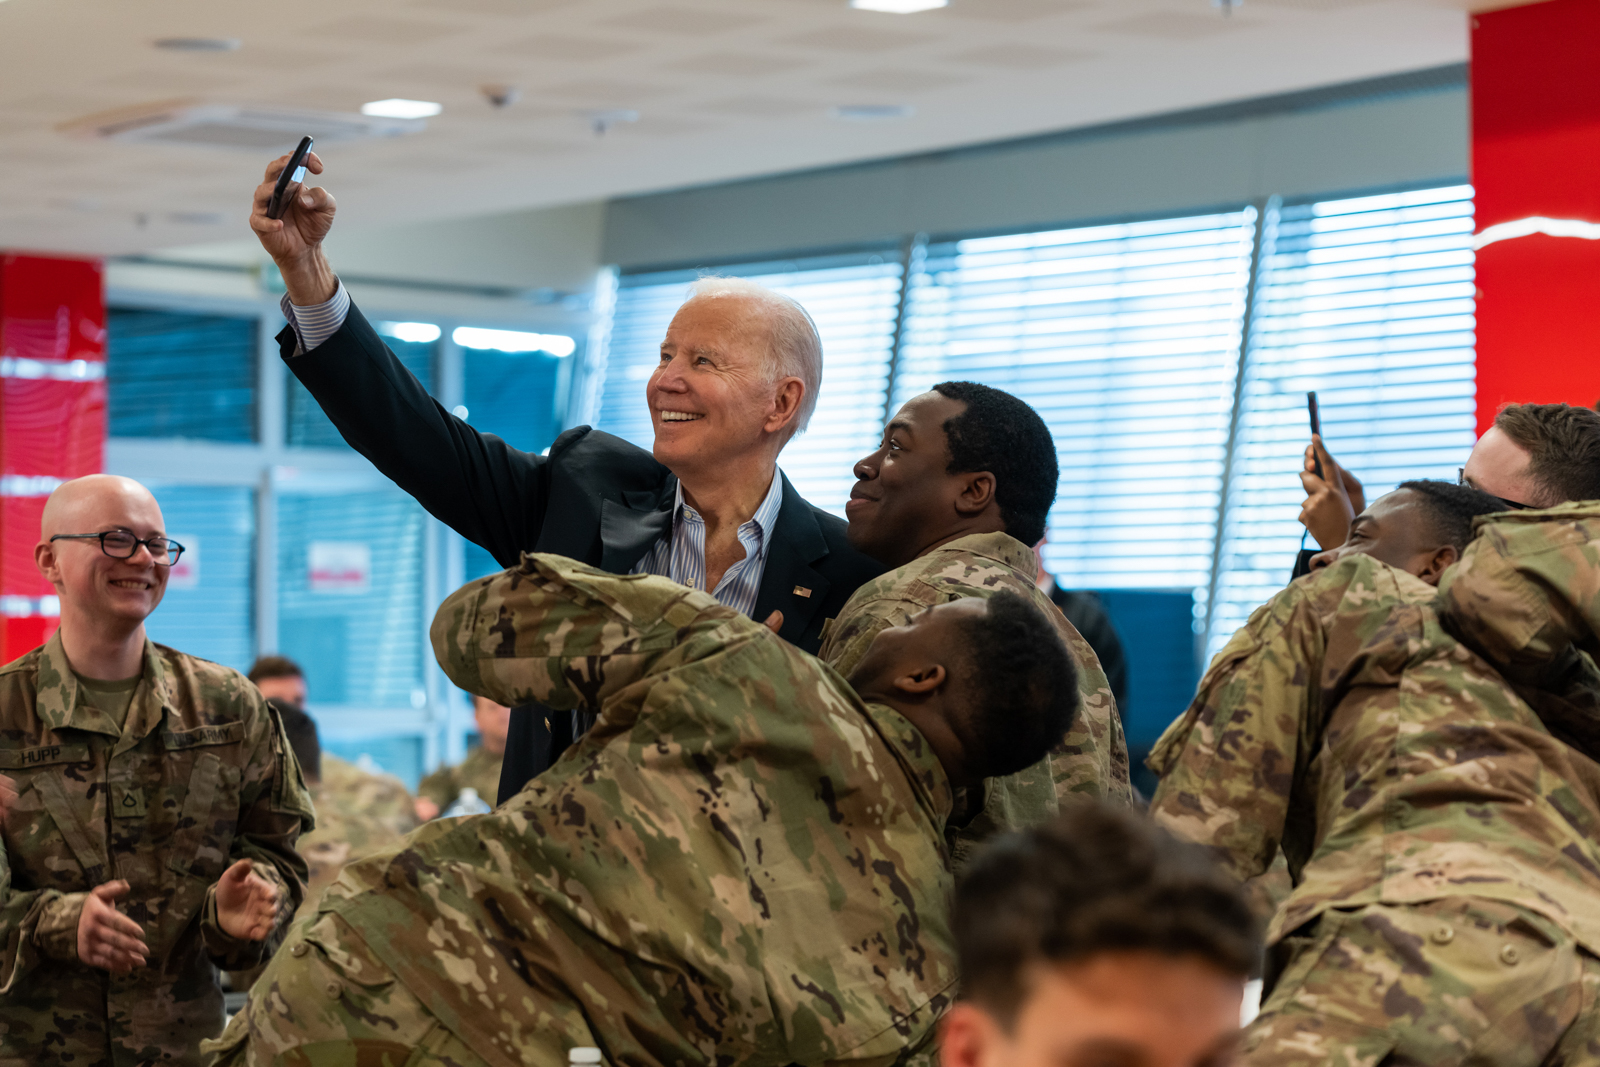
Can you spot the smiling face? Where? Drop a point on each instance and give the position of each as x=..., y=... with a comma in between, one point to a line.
x=1115, y=1009
x=91, y=584
x=1395, y=529
x=713, y=397
x=904, y=497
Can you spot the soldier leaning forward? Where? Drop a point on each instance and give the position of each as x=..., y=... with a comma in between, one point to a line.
x=155, y=810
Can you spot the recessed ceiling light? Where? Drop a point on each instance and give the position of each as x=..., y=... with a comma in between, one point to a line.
x=396, y=108
x=199, y=44
x=899, y=7
x=872, y=112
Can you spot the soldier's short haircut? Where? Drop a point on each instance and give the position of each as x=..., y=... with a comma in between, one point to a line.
x=1022, y=684
x=1451, y=508
x=1099, y=878
x=1563, y=444
x=301, y=730
x=1001, y=434
x=274, y=667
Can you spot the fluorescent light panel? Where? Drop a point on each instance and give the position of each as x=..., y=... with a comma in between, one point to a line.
x=396, y=108
x=421, y=332
x=899, y=7
x=514, y=341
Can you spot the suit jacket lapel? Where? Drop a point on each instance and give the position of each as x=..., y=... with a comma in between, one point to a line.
x=790, y=584
x=628, y=528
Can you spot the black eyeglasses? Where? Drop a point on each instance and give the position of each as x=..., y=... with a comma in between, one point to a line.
x=1461, y=479
x=120, y=544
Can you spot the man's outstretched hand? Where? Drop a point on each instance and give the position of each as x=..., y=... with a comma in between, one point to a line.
x=295, y=241
x=247, y=904
x=1332, y=501
x=107, y=938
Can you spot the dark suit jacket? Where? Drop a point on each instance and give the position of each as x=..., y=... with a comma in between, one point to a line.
x=594, y=498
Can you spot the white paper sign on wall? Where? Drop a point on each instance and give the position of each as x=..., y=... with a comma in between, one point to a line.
x=185, y=574
x=340, y=567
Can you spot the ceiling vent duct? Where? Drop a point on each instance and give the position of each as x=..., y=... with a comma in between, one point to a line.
x=259, y=129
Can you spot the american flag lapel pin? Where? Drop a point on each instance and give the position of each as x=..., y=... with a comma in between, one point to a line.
x=801, y=590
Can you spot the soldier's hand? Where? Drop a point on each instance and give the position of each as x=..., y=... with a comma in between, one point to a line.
x=247, y=904
x=425, y=808
x=8, y=797
x=774, y=622
x=1332, y=501
x=107, y=938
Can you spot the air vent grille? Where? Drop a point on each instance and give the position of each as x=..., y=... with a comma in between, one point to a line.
x=232, y=126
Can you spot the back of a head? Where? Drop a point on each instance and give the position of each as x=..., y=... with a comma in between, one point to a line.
x=1098, y=879
x=794, y=345
x=274, y=667
x=1450, y=509
x=1001, y=434
x=1021, y=687
x=301, y=731
x=1563, y=446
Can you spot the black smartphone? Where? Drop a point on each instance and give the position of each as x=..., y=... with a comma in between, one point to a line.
x=1316, y=428
x=293, y=174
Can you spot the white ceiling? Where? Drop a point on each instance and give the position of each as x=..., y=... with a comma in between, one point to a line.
x=725, y=89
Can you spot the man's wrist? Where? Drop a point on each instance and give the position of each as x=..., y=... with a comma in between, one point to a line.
x=309, y=280
x=56, y=934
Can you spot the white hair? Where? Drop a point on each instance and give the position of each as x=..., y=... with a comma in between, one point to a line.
x=794, y=348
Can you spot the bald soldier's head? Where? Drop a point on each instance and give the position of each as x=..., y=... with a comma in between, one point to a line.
x=96, y=588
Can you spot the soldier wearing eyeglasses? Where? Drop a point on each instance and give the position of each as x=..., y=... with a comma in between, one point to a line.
x=152, y=808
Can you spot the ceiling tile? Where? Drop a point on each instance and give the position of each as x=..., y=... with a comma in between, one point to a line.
x=1015, y=10
x=666, y=126
x=605, y=91
x=857, y=39
x=899, y=81
x=568, y=49
x=736, y=64
x=687, y=20
x=278, y=59
x=1024, y=56
x=502, y=8
x=758, y=106
x=177, y=82
x=1176, y=25
x=367, y=30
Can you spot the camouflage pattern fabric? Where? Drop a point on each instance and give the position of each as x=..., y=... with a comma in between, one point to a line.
x=381, y=801
x=480, y=771
x=740, y=863
x=201, y=776
x=1091, y=761
x=1452, y=981
x=1391, y=763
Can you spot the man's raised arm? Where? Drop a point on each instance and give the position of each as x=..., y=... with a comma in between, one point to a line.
x=566, y=635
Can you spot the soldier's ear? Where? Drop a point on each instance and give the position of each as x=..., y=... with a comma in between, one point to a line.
x=977, y=492
x=1442, y=557
x=921, y=681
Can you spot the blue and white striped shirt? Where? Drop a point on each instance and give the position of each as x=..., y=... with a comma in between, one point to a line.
x=680, y=555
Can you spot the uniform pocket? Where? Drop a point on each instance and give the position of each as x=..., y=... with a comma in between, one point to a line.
x=205, y=831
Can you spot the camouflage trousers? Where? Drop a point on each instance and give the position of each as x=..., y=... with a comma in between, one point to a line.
x=341, y=1009
x=1457, y=981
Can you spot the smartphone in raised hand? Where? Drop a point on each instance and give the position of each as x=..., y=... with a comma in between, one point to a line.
x=1316, y=428
x=289, y=180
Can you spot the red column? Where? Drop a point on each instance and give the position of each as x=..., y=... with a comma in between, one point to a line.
x=52, y=419
x=1536, y=154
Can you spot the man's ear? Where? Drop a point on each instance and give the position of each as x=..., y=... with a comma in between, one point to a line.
x=921, y=681
x=787, y=396
x=967, y=1036
x=1442, y=557
x=44, y=557
x=977, y=492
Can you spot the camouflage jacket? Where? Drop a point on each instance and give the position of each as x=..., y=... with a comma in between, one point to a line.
x=480, y=770
x=740, y=863
x=1390, y=761
x=201, y=777
x=1091, y=761
x=357, y=814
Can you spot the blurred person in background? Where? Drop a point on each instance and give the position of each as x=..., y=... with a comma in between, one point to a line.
x=707, y=506
x=151, y=839
x=1088, y=616
x=1097, y=939
x=1534, y=456
x=479, y=772
x=341, y=786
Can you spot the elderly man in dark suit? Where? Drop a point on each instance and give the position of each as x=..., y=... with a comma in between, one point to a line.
x=739, y=373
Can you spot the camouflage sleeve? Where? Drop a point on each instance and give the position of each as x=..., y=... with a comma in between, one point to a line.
x=1228, y=764
x=556, y=632
x=439, y=787
x=274, y=809
x=34, y=925
x=1092, y=759
x=847, y=637
x=1527, y=590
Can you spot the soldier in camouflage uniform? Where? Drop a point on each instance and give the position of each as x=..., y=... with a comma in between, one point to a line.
x=742, y=862
x=480, y=771
x=953, y=499
x=173, y=792
x=1445, y=847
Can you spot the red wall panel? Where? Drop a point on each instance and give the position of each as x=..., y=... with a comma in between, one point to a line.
x=1536, y=152
x=52, y=418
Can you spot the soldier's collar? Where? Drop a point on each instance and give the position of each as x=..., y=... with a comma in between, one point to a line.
x=911, y=748
x=1001, y=547
x=60, y=704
